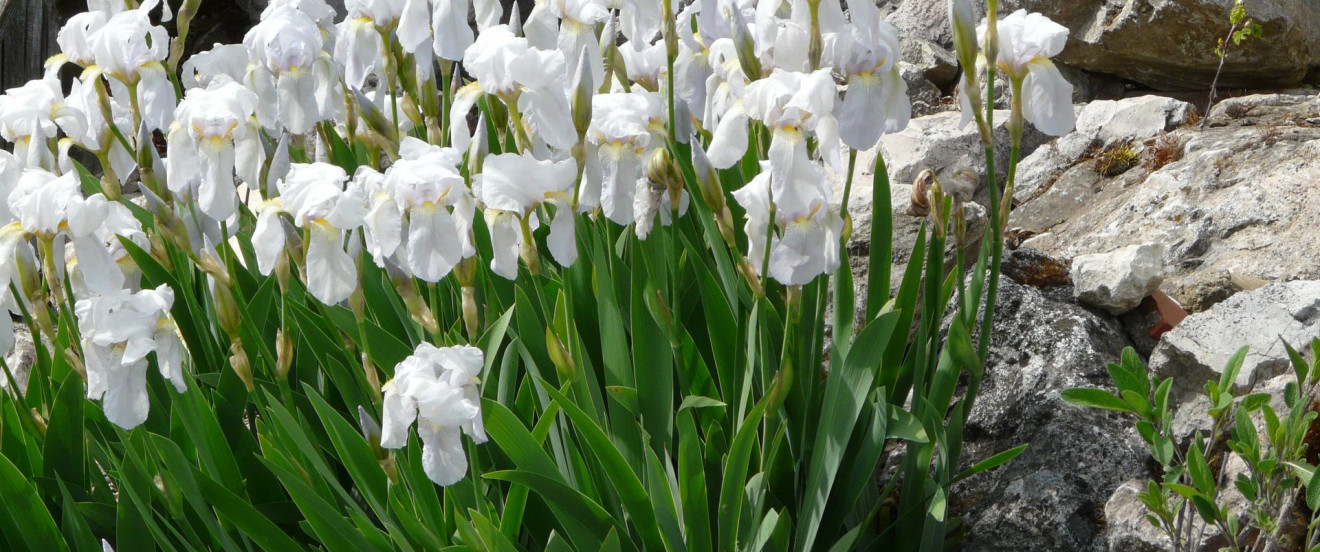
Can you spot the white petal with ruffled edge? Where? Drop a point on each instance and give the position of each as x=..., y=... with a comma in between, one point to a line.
x=331, y=275
x=1048, y=99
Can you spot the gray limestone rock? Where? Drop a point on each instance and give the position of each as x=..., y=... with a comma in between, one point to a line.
x=1117, y=281
x=1198, y=349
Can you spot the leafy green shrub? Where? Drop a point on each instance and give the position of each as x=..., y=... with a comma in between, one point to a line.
x=1277, y=469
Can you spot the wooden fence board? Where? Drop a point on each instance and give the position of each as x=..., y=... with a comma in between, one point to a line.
x=27, y=38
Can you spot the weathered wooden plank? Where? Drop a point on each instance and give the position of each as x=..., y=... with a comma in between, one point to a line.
x=27, y=37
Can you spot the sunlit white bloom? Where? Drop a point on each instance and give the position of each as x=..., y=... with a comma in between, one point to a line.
x=214, y=133
x=361, y=44
x=11, y=168
x=318, y=10
x=118, y=331
x=292, y=76
x=221, y=61
x=96, y=135
x=268, y=238
x=41, y=202
x=424, y=192
x=805, y=243
x=646, y=64
x=511, y=186
x=99, y=262
x=131, y=50
x=577, y=33
x=534, y=80
x=73, y=36
x=876, y=101
x=790, y=105
x=48, y=206
x=1027, y=41
x=639, y=20
x=437, y=388
x=32, y=114
x=444, y=23
x=620, y=135
x=316, y=196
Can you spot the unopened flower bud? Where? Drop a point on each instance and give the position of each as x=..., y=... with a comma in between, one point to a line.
x=76, y=363
x=779, y=386
x=470, y=319
x=226, y=310
x=479, y=148
x=39, y=421
x=283, y=354
x=583, y=91
x=963, y=19
x=413, y=301
x=375, y=118
x=749, y=274
x=745, y=43
x=212, y=267
x=708, y=178
x=669, y=28
x=663, y=171
x=515, y=20
x=560, y=356
x=724, y=221
x=938, y=214
x=527, y=249
x=238, y=360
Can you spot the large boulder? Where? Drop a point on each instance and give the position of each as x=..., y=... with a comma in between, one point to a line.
x=943, y=144
x=1100, y=125
x=1052, y=496
x=1198, y=349
x=1236, y=197
x=1164, y=44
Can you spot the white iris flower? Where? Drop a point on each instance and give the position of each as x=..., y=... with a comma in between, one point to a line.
x=32, y=114
x=805, y=242
x=215, y=133
x=445, y=23
x=512, y=186
x=530, y=79
x=424, y=192
x=316, y=196
x=290, y=72
x=131, y=50
x=620, y=136
x=1027, y=41
x=789, y=104
x=118, y=331
x=437, y=388
x=877, y=100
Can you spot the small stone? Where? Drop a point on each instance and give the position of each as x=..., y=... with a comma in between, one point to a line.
x=1118, y=281
x=1205, y=289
